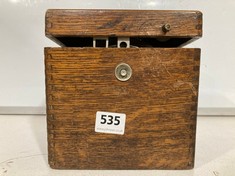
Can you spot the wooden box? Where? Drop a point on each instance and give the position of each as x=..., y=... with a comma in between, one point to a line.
x=128, y=62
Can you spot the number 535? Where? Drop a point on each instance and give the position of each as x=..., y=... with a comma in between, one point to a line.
x=109, y=120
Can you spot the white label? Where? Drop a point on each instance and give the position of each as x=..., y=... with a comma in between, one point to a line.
x=109, y=122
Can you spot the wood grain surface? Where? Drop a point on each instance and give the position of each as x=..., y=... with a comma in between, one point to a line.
x=159, y=100
x=124, y=23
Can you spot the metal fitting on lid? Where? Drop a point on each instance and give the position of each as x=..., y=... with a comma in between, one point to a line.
x=166, y=28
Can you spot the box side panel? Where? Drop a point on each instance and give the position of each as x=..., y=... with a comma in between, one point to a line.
x=159, y=100
x=49, y=108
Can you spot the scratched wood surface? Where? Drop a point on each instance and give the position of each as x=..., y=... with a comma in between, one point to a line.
x=159, y=100
x=141, y=23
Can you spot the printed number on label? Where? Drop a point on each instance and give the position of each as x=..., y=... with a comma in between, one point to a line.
x=110, y=119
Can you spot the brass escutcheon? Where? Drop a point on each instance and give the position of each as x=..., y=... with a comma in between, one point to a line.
x=123, y=72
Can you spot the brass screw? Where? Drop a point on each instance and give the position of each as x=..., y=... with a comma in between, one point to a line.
x=123, y=73
x=166, y=28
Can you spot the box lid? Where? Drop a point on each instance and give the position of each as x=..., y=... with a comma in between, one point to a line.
x=176, y=27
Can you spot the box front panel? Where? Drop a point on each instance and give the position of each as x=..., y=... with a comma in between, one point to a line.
x=159, y=101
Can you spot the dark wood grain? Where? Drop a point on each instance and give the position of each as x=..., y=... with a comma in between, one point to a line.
x=160, y=101
x=125, y=23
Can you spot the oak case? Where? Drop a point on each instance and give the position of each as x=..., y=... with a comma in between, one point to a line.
x=159, y=100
